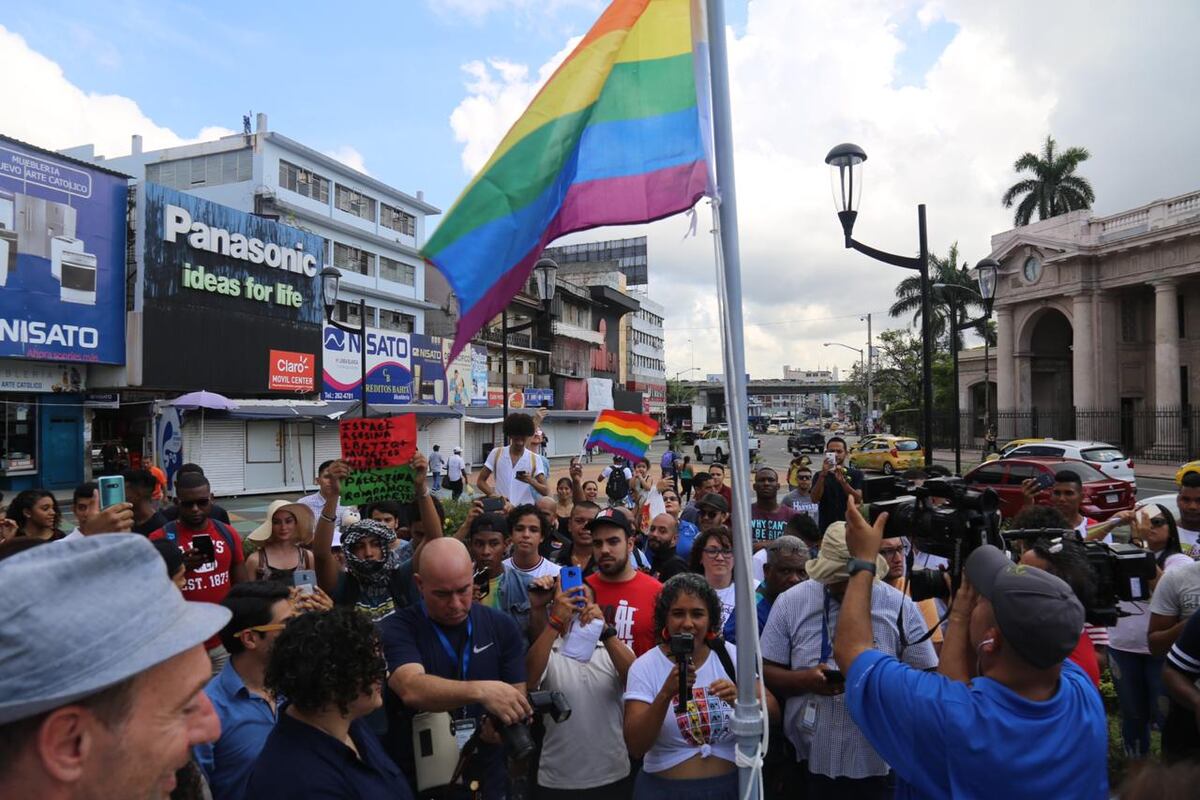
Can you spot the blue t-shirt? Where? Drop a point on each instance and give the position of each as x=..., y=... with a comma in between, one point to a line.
x=947, y=739
x=494, y=651
x=687, y=535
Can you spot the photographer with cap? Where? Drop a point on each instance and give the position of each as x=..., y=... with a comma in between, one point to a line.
x=992, y=723
x=101, y=690
x=798, y=644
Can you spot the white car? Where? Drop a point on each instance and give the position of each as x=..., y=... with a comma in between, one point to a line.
x=1105, y=457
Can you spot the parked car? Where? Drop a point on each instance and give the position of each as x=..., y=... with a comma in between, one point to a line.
x=889, y=454
x=1104, y=457
x=713, y=444
x=1103, y=495
x=806, y=440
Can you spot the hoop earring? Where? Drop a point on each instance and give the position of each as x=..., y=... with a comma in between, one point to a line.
x=708, y=637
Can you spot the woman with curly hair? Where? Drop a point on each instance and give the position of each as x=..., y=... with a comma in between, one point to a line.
x=331, y=669
x=36, y=513
x=689, y=753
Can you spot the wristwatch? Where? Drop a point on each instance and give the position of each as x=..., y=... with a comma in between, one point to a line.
x=608, y=633
x=857, y=565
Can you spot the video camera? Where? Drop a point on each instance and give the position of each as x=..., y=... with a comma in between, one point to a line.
x=1121, y=571
x=517, y=738
x=943, y=517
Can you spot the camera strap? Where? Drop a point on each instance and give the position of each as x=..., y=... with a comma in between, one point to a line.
x=826, y=642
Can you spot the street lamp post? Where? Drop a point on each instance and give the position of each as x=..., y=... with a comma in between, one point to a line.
x=862, y=355
x=545, y=273
x=845, y=163
x=987, y=292
x=330, y=280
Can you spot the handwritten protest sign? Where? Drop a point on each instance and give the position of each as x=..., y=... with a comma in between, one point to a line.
x=376, y=485
x=378, y=443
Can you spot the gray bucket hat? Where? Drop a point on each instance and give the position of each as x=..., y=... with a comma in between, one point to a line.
x=85, y=614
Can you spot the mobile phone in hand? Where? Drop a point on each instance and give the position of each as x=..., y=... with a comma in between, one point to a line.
x=492, y=505
x=305, y=579
x=1044, y=481
x=203, y=543
x=112, y=490
x=521, y=474
x=834, y=676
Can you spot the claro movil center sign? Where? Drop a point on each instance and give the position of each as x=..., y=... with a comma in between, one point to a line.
x=197, y=251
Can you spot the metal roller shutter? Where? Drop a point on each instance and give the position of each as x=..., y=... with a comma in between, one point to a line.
x=566, y=436
x=326, y=446
x=477, y=436
x=222, y=454
x=442, y=432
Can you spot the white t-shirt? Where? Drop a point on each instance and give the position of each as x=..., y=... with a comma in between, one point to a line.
x=1187, y=539
x=704, y=728
x=597, y=715
x=1131, y=632
x=728, y=597
x=74, y=534
x=317, y=503
x=544, y=567
x=455, y=466
x=504, y=472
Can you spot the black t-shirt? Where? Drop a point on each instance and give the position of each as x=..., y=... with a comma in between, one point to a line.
x=171, y=513
x=671, y=566
x=156, y=521
x=831, y=507
x=494, y=651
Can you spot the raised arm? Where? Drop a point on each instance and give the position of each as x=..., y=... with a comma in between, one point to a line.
x=1163, y=633
x=430, y=521
x=420, y=691
x=327, y=567
x=854, y=633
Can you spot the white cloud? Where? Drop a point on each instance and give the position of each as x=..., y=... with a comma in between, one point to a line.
x=52, y=112
x=807, y=75
x=350, y=157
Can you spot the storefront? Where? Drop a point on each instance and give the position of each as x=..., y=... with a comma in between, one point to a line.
x=62, y=307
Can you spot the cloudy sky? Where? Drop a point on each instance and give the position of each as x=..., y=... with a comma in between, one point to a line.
x=942, y=95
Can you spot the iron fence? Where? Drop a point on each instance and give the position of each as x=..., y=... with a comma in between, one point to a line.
x=1165, y=435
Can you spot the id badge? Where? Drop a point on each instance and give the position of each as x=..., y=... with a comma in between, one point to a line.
x=808, y=719
x=463, y=730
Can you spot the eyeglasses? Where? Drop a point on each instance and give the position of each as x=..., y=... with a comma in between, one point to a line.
x=718, y=552
x=710, y=513
x=275, y=626
x=194, y=503
x=891, y=552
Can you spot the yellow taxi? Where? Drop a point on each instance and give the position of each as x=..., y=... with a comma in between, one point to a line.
x=889, y=454
x=1191, y=466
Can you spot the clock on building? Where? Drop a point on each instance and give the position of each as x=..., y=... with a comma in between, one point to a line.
x=1033, y=269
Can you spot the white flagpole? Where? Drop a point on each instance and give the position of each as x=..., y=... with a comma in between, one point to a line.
x=748, y=714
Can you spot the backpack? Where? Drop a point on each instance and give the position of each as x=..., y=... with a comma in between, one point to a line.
x=617, y=486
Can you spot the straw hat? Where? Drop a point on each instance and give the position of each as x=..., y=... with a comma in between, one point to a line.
x=830, y=565
x=304, y=522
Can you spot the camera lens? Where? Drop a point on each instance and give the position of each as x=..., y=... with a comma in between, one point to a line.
x=517, y=741
x=928, y=583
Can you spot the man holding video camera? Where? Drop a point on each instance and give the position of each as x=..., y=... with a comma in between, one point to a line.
x=992, y=722
x=462, y=660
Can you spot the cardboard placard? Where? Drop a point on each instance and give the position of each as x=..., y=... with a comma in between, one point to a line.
x=376, y=485
x=378, y=443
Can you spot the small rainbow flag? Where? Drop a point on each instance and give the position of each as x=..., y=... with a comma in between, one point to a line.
x=620, y=134
x=622, y=434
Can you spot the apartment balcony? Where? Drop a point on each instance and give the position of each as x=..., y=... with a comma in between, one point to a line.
x=524, y=340
x=576, y=332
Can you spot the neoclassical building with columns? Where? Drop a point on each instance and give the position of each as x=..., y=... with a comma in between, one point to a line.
x=1098, y=330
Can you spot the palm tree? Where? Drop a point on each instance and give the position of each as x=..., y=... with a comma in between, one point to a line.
x=954, y=280
x=1054, y=188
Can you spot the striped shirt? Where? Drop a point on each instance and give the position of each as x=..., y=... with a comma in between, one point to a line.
x=832, y=744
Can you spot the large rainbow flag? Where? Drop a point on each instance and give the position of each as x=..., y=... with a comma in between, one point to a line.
x=623, y=434
x=620, y=134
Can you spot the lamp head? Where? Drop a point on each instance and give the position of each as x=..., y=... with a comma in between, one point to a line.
x=545, y=273
x=330, y=277
x=989, y=272
x=845, y=179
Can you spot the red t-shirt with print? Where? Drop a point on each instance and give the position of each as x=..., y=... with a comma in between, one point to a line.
x=629, y=607
x=210, y=582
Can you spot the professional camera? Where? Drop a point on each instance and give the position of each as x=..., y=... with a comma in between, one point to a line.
x=1120, y=571
x=517, y=739
x=943, y=518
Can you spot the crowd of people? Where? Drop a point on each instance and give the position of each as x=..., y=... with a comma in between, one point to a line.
x=574, y=638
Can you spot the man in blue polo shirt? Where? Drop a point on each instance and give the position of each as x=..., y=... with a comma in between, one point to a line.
x=991, y=724
x=453, y=655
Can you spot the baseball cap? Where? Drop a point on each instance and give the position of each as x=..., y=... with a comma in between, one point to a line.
x=613, y=517
x=85, y=614
x=1037, y=612
x=714, y=500
x=458, y=450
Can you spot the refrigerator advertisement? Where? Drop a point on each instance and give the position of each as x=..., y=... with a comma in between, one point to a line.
x=479, y=375
x=62, y=258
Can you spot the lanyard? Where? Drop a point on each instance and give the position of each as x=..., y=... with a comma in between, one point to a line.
x=461, y=661
x=826, y=644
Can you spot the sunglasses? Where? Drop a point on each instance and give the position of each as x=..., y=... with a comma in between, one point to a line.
x=717, y=552
x=194, y=503
x=710, y=513
x=1158, y=521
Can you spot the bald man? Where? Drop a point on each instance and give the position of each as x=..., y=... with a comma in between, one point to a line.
x=665, y=563
x=451, y=654
x=552, y=544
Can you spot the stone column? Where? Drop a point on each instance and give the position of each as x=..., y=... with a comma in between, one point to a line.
x=1005, y=379
x=1108, y=367
x=1168, y=440
x=1083, y=362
